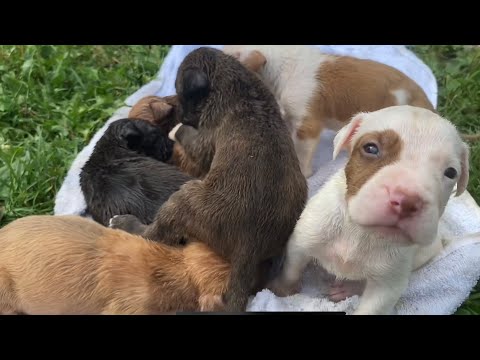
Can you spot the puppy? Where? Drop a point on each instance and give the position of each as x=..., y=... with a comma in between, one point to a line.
x=319, y=91
x=72, y=265
x=161, y=111
x=158, y=111
x=126, y=173
x=376, y=220
x=254, y=192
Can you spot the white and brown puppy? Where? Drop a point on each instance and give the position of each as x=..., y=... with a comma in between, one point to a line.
x=318, y=91
x=72, y=265
x=376, y=220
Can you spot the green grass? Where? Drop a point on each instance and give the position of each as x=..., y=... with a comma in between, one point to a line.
x=54, y=98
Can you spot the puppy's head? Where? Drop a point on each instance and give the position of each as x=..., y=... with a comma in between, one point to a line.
x=251, y=56
x=404, y=163
x=143, y=137
x=193, y=84
x=159, y=111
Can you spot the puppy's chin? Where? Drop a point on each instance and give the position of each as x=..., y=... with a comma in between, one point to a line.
x=419, y=230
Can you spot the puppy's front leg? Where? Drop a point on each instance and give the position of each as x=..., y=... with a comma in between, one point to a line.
x=381, y=295
x=297, y=259
x=177, y=220
x=305, y=149
x=198, y=145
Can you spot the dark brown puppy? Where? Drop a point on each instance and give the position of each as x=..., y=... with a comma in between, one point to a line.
x=161, y=111
x=254, y=192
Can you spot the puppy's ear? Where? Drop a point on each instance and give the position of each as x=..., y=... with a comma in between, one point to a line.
x=160, y=110
x=196, y=85
x=132, y=135
x=344, y=137
x=465, y=170
x=253, y=60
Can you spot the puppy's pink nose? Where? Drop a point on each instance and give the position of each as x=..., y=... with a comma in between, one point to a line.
x=405, y=205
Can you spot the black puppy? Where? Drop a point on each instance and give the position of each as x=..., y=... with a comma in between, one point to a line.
x=126, y=173
x=247, y=205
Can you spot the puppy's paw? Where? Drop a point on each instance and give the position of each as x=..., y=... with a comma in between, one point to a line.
x=281, y=289
x=307, y=171
x=341, y=290
x=173, y=132
x=112, y=222
x=128, y=223
x=211, y=303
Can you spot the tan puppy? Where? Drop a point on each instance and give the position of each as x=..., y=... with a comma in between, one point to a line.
x=377, y=219
x=161, y=111
x=71, y=265
x=318, y=91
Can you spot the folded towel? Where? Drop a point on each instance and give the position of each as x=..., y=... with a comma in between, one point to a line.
x=439, y=287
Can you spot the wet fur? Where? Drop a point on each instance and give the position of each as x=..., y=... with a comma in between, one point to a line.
x=253, y=193
x=126, y=173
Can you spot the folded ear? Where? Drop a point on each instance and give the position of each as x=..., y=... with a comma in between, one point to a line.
x=195, y=84
x=344, y=136
x=151, y=108
x=465, y=170
x=160, y=110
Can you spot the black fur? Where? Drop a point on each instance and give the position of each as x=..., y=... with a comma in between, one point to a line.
x=126, y=173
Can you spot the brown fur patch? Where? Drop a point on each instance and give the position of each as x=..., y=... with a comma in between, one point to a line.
x=348, y=86
x=185, y=163
x=361, y=167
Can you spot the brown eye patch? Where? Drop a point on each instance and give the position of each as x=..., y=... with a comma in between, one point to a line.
x=371, y=152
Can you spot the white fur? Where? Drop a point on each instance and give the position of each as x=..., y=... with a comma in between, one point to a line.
x=173, y=132
x=330, y=230
x=70, y=199
x=290, y=72
x=402, y=96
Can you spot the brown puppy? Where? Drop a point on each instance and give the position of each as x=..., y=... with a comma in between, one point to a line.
x=71, y=265
x=247, y=205
x=318, y=90
x=161, y=111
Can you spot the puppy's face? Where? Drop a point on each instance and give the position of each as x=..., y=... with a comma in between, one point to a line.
x=144, y=138
x=404, y=163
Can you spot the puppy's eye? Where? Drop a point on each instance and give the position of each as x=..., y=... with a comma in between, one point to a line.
x=371, y=149
x=450, y=173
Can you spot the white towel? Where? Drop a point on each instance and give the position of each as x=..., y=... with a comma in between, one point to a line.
x=440, y=287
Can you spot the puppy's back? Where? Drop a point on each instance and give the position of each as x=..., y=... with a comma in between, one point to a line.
x=356, y=85
x=37, y=254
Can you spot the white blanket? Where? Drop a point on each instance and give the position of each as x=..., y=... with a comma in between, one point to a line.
x=440, y=287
